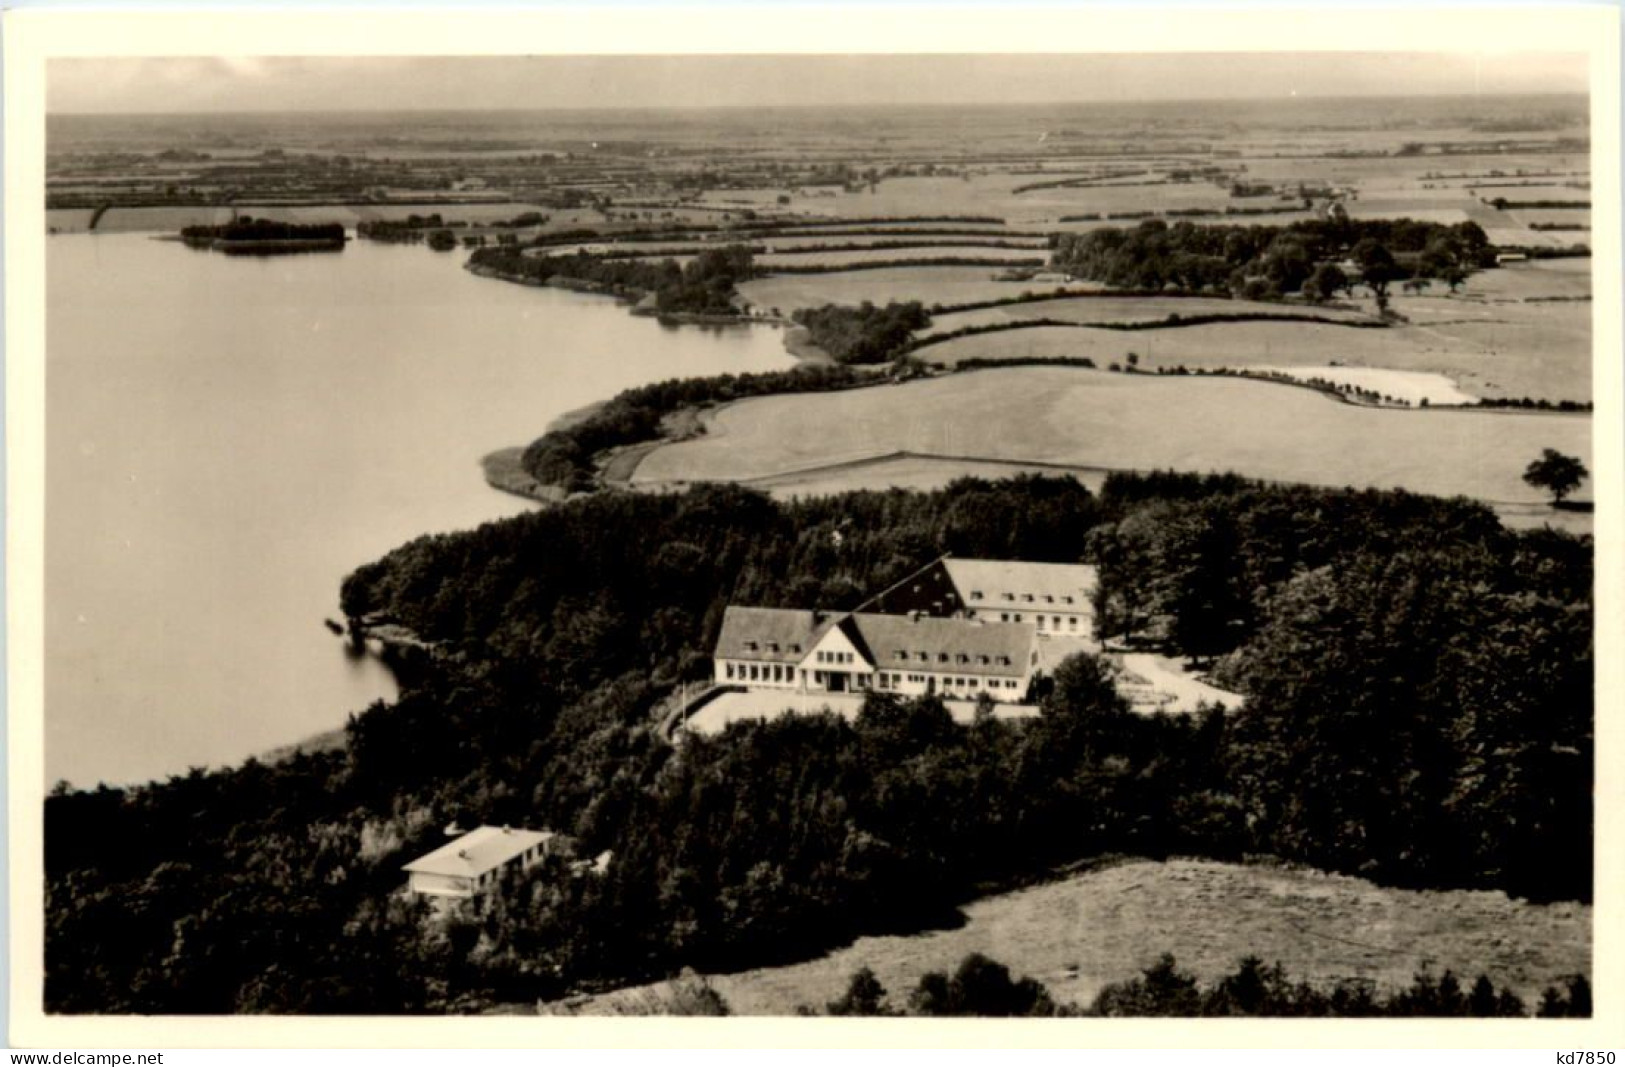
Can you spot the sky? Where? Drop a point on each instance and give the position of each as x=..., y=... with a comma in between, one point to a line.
x=155, y=85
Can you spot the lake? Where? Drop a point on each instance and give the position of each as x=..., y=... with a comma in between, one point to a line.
x=228, y=437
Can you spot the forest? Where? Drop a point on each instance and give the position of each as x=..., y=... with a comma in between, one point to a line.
x=564, y=457
x=863, y=334
x=703, y=286
x=1419, y=712
x=411, y=230
x=256, y=230
x=1263, y=262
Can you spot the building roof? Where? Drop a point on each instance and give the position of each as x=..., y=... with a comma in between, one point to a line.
x=995, y=584
x=477, y=852
x=890, y=642
x=771, y=635
x=897, y=642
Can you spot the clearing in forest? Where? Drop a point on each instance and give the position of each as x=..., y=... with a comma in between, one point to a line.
x=1107, y=925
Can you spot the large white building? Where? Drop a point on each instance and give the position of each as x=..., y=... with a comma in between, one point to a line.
x=474, y=861
x=842, y=652
x=1056, y=598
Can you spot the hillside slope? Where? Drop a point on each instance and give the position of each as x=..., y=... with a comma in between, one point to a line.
x=1103, y=926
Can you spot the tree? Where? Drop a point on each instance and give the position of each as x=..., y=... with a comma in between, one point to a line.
x=1556, y=473
x=1325, y=282
x=980, y=987
x=1163, y=989
x=1377, y=267
x=864, y=996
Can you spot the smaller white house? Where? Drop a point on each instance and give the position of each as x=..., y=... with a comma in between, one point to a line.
x=473, y=862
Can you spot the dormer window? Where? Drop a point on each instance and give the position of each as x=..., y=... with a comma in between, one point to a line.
x=982, y=660
x=772, y=646
x=902, y=655
x=976, y=594
x=1066, y=599
x=962, y=658
x=750, y=646
x=1048, y=599
x=942, y=657
x=1027, y=597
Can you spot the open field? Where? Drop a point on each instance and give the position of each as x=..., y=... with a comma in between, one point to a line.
x=993, y=194
x=1107, y=925
x=903, y=470
x=981, y=253
x=1127, y=309
x=1510, y=350
x=1087, y=418
x=1561, y=216
x=814, y=240
x=1410, y=386
x=1533, y=280
x=929, y=285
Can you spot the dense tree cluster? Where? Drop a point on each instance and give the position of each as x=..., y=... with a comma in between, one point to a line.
x=1260, y=262
x=564, y=457
x=702, y=286
x=1258, y=990
x=863, y=334
x=410, y=230
x=249, y=230
x=983, y=987
x=1419, y=634
x=560, y=633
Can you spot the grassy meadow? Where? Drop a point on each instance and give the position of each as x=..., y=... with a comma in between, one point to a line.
x=1077, y=417
x=928, y=285
x=1078, y=934
x=1534, y=350
x=1127, y=309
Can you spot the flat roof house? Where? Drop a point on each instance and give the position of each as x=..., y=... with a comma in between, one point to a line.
x=473, y=862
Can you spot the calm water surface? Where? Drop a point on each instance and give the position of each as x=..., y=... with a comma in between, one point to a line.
x=228, y=437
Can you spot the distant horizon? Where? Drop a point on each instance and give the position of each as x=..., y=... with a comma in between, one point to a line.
x=262, y=85
x=911, y=105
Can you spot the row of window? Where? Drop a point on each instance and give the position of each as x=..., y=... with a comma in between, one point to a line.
x=888, y=680
x=903, y=656
x=759, y=672
x=784, y=675
x=1056, y=622
x=834, y=657
x=1026, y=598
x=772, y=646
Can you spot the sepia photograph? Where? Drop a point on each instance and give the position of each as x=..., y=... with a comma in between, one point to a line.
x=1081, y=533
